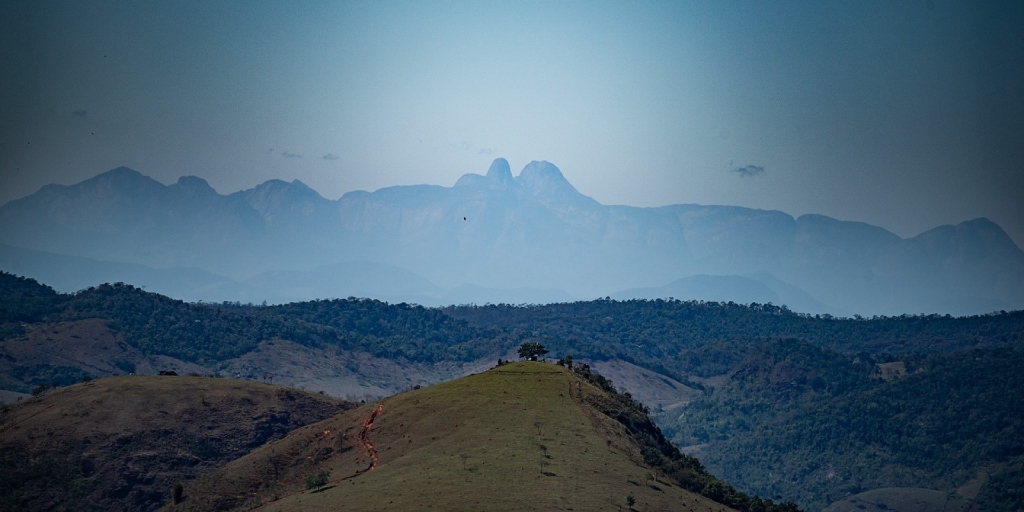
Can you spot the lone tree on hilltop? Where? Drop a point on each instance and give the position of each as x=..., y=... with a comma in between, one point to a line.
x=531, y=351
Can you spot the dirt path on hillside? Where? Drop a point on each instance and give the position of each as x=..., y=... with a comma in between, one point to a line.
x=9, y=426
x=365, y=438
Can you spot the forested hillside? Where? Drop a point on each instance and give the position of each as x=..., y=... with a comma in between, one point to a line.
x=708, y=338
x=674, y=337
x=817, y=426
x=208, y=333
x=813, y=407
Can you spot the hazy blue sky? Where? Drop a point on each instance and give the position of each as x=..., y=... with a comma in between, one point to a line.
x=907, y=115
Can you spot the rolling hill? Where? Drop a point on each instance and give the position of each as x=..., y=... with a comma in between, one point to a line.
x=121, y=443
x=522, y=435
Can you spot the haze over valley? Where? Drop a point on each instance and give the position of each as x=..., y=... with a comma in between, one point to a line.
x=491, y=238
x=692, y=255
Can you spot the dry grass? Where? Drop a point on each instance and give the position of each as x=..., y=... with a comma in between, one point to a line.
x=513, y=438
x=120, y=443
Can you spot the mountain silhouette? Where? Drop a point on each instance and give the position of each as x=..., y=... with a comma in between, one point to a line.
x=508, y=235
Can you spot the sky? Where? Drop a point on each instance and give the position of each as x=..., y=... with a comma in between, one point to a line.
x=907, y=115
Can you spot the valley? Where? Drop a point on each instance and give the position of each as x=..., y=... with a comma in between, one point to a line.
x=681, y=256
x=778, y=403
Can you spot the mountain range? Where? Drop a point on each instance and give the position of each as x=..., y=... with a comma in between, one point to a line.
x=532, y=238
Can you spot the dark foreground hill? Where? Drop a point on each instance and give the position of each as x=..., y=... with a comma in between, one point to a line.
x=520, y=436
x=121, y=443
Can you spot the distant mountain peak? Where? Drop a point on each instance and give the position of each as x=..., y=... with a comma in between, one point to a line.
x=121, y=179
x=534, y=231
x=984, y=228
x=271, y=184
x=500, y=171
x=276, y=186
x=978, y=236
x=195, y=184
x=541, y=168
x=980, y=223
x=119, y=174
x=499, y=176
x=275, y=198
x=541, y=176
x=299, y=184
x=122, y=170
x=545, y=182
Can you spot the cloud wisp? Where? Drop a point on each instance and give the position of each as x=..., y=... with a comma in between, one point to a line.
x=329, y=156
x=748, y=171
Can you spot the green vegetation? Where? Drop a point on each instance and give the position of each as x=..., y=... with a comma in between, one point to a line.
x=662, y=455
x=816, y=426
x=678, y=338
x=315, y=482
x=793, y=405
x=532, y=351
x=208, y=333
x=1005, y=487
x=177, y=492
x=674, y=338
x=25, y=300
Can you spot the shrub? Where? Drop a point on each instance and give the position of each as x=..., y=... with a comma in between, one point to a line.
x=177, y=493
x=318, y=480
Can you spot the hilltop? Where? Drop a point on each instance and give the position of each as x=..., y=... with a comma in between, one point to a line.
x=121, y=443
x=520, y=435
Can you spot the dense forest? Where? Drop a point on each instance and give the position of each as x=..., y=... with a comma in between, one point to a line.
x=801, y=406
x=677, y=337
x=816, y=426
x=207, y=333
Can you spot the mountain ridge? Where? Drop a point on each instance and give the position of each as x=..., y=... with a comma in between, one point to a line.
x=531, y=231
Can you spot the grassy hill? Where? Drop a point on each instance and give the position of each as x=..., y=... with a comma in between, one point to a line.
x=121, y=443
x=520, y=435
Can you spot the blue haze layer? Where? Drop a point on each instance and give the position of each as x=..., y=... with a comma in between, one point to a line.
x=491, y=238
